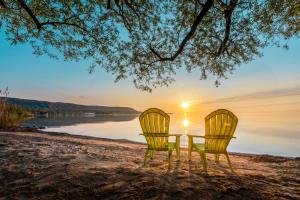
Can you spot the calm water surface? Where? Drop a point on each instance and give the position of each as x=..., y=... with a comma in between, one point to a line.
x=264, y=135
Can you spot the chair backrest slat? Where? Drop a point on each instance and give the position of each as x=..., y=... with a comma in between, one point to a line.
x=221, y=123
x=155, y=122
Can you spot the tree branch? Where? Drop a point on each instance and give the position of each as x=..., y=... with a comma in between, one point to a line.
x=222, y=3
x=135, y=12
x=155, y=53
x=29, y=11
x=108, y=5
x=228, y=13
x=54, y=23
x=121, y=14
x=39, y=24
x=203, y=12
x=199, y=2
x=2, y=4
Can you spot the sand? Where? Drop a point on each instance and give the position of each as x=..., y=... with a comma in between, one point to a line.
x=62, y=166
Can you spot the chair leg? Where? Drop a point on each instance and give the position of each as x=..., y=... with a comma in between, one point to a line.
x=204, y=161
x=151, y=154
x=229, y=162
x=190, y=144
x=178, y=148
x=217, y=156
x=178, y=152
x=170, y=158
x=146, y=155
x=190, y=154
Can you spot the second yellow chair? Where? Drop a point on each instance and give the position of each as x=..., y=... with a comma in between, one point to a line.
x=219, y=129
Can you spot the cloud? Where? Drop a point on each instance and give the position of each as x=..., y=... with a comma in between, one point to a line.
x=259, y=95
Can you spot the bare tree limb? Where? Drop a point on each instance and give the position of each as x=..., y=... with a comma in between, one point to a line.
x=203, y=12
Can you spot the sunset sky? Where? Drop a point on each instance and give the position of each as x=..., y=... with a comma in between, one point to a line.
x=42, y=78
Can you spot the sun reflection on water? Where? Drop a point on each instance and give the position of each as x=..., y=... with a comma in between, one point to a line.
x=185, y=122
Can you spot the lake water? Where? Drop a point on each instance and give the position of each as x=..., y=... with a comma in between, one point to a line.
x=254, y=135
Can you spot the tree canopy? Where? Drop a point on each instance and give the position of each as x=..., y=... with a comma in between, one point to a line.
x=147, y=41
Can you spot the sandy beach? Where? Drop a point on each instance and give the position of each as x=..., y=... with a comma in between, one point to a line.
x=62, y=166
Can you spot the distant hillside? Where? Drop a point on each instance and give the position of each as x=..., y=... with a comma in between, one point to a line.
x=46, y=106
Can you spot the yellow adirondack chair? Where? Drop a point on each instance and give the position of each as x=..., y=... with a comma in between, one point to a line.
x=155, y=126
x=219, y=129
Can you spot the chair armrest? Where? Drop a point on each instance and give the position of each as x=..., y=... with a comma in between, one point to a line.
x=218, y=137
x=190, y=135
x=160, y=134
x=175, y=135
x=212, y=136
x=154, y=135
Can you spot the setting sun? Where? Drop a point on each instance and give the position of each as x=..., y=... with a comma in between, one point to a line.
x=185, y=105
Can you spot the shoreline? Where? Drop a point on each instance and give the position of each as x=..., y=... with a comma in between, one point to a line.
x=43, y=165
x=54, y=133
